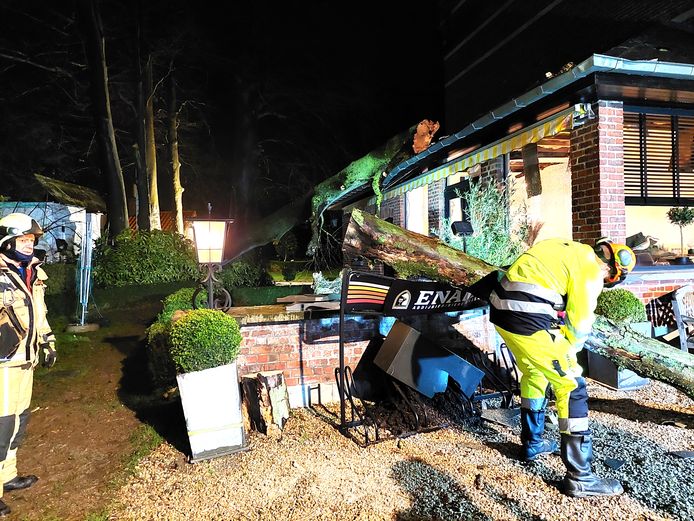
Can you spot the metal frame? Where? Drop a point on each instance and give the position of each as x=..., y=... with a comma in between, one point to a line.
x=355, y=414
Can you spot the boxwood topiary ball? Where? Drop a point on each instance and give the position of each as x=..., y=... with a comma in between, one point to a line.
x=621, y=305
x=204, y=338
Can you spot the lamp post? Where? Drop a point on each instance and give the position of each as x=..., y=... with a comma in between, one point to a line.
x=209, y=237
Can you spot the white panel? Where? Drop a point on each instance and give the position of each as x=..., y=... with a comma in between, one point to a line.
x=212, y=408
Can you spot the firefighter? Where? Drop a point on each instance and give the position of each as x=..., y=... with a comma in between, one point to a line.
x=24, y=334
x=543, y=309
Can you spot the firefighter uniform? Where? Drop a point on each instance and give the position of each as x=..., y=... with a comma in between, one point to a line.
x=24, y=331
x=542, y=308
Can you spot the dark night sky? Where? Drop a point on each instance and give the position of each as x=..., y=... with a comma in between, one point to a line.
x=369, y=70
x=379, y=58
x=377, y=64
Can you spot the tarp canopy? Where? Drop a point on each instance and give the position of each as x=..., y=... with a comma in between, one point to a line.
x=72, y=194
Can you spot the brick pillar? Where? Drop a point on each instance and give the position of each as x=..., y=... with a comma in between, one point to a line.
x=597, y=175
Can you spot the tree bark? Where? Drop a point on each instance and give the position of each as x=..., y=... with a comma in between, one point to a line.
x=151, y=148
x=414, y=254
x=140, y=145
x=270, y=228
x=173, y=155
x=410, y=253
x=109, y=163
x=266, y=399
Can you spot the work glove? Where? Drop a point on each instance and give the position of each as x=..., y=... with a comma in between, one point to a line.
x=50, y=355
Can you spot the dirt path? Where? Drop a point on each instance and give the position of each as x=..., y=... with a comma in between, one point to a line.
x=81, y=435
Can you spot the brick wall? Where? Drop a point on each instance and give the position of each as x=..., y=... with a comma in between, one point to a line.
x=306, y=351
x=596, y=157
x=494, y=169
x=394, y=208
x=436, y=203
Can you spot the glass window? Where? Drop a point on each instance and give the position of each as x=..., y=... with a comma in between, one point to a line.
x=658, y=158
x=417, y=210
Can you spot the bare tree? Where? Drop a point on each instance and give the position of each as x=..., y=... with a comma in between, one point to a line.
x=173, y=153
x=92, y=34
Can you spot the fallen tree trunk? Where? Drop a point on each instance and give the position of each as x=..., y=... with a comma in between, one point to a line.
x=410, y=253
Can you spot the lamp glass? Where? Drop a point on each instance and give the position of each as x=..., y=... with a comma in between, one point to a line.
x=209, y=240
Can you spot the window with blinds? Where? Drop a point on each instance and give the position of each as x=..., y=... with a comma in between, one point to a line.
x=658, y=158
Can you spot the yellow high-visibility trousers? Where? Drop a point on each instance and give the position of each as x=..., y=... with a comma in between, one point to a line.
x=548, y=357
x=15, y=396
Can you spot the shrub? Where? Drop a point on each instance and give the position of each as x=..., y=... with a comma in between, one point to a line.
x=61, y=278
x=181, y=300
x=621, y=305
x=289, y=271
x=498, y=238
x=160, y=365
x=203, y=339
x=139, y=257
x=287, y=246
x=244, y=273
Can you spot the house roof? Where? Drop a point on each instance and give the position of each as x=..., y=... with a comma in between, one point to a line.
x=596, y=63
x=642, y=56
x=167, y=219
x=497, y=50
x=72, y=194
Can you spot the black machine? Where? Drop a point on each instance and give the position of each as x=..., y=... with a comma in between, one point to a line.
x=407, y=365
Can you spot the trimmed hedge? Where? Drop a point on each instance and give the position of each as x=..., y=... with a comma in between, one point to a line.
x=140, y=257
x=61, y=278
x=621, y=305
x=244, y=273
x=203, y=339
x=161, y=367
x=181, y=300
x=264, y=296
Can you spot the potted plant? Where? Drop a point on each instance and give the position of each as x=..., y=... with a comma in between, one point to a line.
x=682, y=217
x=204, y=346
x=622, y=307
x=161, y=367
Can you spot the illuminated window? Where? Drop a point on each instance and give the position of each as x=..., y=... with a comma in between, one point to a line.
x=417, y=210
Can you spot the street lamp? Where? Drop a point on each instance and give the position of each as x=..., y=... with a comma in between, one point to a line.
x=209, y=237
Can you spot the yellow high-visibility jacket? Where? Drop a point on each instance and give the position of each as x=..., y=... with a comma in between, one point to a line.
x=554, y=275
x=24, y=312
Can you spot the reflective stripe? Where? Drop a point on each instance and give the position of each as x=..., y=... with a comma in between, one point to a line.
x=573, y=424
x=533, y=404
x=533, y=289
x=580, y=335
x=523, y=307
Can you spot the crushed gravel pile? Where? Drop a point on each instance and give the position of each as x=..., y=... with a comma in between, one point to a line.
x=470, y=473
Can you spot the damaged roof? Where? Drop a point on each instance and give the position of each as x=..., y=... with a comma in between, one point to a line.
x=72, y=194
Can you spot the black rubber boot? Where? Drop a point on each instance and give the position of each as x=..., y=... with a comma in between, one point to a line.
x=4, y=509
x=532, y=427
x=577, y=455
x=20, y=482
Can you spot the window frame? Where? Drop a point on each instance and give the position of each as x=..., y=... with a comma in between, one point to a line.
x=644, y=199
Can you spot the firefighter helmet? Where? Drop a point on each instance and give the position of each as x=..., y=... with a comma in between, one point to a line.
x=15, y=225
x=619, y=257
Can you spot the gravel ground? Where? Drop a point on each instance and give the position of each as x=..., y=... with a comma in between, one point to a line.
x=469, y=473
